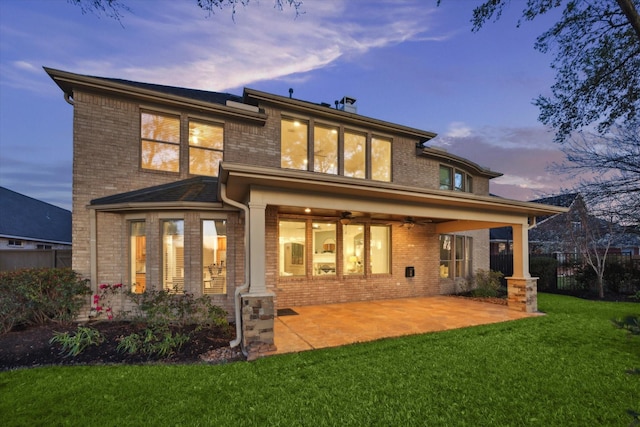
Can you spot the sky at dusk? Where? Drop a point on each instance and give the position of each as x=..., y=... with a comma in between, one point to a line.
x=405, y=61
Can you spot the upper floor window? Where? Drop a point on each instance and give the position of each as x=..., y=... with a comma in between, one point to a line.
x=355, y=146
x=325, y=149
x=294, y=145
x=160, y=142
x=206, y=144
x=381, y=159
x=455, y=179
x=330, y=154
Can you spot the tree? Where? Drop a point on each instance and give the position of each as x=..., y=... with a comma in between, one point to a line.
x=115, y=8
x=597, y=45
x=592, y=238
x=610, y=169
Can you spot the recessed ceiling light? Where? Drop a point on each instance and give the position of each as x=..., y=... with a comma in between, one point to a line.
x=307, y=210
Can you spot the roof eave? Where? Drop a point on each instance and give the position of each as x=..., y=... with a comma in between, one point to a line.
x=69, y=81
x=318, y=110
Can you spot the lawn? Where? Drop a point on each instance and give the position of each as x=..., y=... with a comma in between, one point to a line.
x=567, y=368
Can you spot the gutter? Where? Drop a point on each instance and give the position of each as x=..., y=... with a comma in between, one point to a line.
x=245, y=285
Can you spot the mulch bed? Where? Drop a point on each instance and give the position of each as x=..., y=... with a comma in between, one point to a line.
x=30, y=347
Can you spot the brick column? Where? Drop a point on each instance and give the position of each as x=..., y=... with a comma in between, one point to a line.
x=258, y=314
x=523, y=294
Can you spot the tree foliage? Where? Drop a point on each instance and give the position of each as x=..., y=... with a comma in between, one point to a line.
x=116, y=8
x=610, y=169
x=597, y=61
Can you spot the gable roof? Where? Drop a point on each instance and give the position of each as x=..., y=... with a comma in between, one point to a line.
x=200, y=189
x=562, y=200
x=23, y=217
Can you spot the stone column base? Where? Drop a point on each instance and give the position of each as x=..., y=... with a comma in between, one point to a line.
x=523, y=294
x=258, y=316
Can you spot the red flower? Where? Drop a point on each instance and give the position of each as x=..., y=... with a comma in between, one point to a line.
x=103, y=286
x=98, y=308
x=96, y=299
x=119, y=285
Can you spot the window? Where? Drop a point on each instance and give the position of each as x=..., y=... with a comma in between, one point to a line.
x=325, y=149
x=354, y=154
x=214, y=256
x=353, y=249
x=292, y=243
x=138, y=256
x=324, y=248
x=294, y=144
x=455, y=179
x=160, y=141
x=455, y=256
x=173, y=255
x=205, y=148
x=15, y=243
x=44, y=247
x=379, y=249
x=360, y=156
x=381, y=159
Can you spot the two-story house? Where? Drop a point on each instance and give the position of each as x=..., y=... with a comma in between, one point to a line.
x=264, y=201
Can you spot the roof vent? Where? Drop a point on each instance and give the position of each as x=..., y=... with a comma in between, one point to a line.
x=347, y=104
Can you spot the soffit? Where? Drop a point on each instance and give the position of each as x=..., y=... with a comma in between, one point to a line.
x=241, y=180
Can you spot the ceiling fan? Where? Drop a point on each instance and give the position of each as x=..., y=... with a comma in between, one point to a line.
x=409, y=222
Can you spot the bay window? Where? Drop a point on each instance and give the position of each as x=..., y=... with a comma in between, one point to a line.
x=173, y=255
x=138, y=256
x=214, y=256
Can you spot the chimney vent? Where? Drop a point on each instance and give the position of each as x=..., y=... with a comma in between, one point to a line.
x=347, y=104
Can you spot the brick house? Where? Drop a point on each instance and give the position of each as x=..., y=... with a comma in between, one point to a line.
x=264, y=201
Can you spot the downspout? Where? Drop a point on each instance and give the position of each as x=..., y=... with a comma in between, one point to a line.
x=245, y=285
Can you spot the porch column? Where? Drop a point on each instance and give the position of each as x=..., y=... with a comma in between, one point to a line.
x=521, y=287
x=258, y=311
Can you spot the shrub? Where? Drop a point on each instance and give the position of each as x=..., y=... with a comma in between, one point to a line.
x=487, y=283
x=160, y=311
x=544, y=268
x=74, y=344
x=41, y=295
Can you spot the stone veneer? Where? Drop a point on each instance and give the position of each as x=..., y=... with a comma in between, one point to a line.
x=258, y=315
x=522, y=294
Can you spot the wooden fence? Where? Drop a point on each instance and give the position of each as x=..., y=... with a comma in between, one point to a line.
x=40, y=258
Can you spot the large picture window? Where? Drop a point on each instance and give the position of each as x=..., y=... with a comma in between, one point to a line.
x=214, y=256
x=324, y=248
x=138, y=256
x=160, y=142
x=455, y=256
x=206, y=143
x=353, y=249
x=292, y=244
x=294, y=144
x=380, y=249
x=173, y=255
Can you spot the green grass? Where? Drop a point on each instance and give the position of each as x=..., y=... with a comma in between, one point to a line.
x=563, y=369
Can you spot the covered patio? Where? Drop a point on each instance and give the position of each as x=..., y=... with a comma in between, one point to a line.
x=333, y=325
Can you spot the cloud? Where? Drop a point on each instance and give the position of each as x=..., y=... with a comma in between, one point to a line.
x=458, y=130
x=176, y=44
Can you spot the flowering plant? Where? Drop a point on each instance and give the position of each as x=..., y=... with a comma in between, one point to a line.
x=102, y=303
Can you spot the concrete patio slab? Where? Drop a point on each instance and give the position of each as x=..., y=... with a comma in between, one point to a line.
x=333, y=325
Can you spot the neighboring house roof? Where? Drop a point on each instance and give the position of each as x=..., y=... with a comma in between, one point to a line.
x=201, y=189
x=22, y=217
